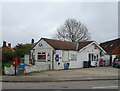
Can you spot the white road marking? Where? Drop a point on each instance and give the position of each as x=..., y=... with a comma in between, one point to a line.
x=105, y=87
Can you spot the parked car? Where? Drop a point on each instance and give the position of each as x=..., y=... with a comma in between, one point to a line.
x=116, y=63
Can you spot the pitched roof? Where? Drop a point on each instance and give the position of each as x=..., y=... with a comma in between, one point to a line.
x=83, y=44
x=116, y=51
x=7, y=48
x=111, y=45
x=66, y=45
x=61, y=45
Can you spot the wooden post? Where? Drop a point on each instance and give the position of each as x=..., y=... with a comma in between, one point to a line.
x=52, y=61
x=15, y=70
x=110, y=60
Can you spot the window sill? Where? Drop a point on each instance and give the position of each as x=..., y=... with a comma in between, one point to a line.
x=41, y=61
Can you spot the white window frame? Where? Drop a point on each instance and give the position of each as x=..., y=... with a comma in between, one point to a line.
x=73, y=57
x=42, y=54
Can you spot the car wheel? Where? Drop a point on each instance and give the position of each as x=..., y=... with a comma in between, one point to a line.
x=116, y=66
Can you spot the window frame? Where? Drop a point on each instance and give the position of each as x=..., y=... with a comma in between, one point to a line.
x=41, y=54
x=73, y=57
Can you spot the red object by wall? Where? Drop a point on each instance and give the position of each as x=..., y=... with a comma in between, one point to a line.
x=43, y=56
x=95, y=47
x=15, y=61
x=101, y=62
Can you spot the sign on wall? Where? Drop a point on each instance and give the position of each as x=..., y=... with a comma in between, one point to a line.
x=40, y=44
x=57, y=57
x=22, y=65
x=95, y=47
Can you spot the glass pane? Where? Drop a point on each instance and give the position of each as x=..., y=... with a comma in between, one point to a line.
x=42, y=57
x=39, y=52
x=43, y=52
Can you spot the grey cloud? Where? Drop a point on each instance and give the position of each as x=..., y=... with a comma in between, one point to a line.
x=24, y=21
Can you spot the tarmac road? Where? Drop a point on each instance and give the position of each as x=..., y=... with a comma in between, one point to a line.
x=109, y=84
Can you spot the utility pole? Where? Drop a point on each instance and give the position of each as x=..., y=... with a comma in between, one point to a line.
x=110, y=60
x=52, y=61
x=15, y=70
x=53, y=52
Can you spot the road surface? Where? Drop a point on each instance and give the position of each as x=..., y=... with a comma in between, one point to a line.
x=109, y=84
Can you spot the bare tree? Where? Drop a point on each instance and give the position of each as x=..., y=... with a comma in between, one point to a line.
x=72, y=30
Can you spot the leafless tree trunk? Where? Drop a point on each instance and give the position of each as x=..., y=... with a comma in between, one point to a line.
x=72, y=30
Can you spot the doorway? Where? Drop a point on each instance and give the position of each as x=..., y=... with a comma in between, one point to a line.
x=92, y=59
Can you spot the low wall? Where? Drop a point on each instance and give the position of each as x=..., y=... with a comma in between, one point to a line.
x=28, y=69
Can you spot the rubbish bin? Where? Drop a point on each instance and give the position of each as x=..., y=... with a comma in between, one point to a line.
x=89, y=63
x=66, y=66
x=85, y=64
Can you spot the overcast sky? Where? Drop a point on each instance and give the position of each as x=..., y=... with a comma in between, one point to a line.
x=23, y=21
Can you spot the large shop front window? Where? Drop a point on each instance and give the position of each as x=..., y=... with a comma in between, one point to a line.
x=41, y=56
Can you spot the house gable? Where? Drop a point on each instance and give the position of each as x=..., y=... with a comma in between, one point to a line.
x=95, y=45
x=42, y=45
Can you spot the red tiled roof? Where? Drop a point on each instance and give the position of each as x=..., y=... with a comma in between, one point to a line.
x=7, y=48
x=116, y=51
x=110, y=46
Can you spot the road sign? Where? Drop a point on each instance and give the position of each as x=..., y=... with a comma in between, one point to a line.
x=22, y=65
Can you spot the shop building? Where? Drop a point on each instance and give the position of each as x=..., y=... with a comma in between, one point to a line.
x=57, y=53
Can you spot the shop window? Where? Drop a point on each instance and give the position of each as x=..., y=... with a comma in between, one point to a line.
x=41, y=56
x=73, y=57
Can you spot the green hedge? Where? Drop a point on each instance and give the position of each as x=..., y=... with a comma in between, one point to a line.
x=9, y=64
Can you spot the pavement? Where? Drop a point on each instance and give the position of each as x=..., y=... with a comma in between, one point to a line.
x=83, y=74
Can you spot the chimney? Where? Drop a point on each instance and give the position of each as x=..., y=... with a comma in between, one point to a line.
x=32, y=42
x=77, y=46
x=4, y=43
x=9, y=44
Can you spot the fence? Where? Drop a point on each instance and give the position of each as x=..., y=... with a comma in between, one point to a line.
x=28, y=69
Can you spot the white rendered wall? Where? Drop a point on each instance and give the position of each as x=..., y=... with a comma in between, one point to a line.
x=65, y=56
x=44, y=48
x=26, y=58
x=81, y=56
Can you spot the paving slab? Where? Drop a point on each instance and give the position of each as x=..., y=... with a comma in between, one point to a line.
x=85, y=74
